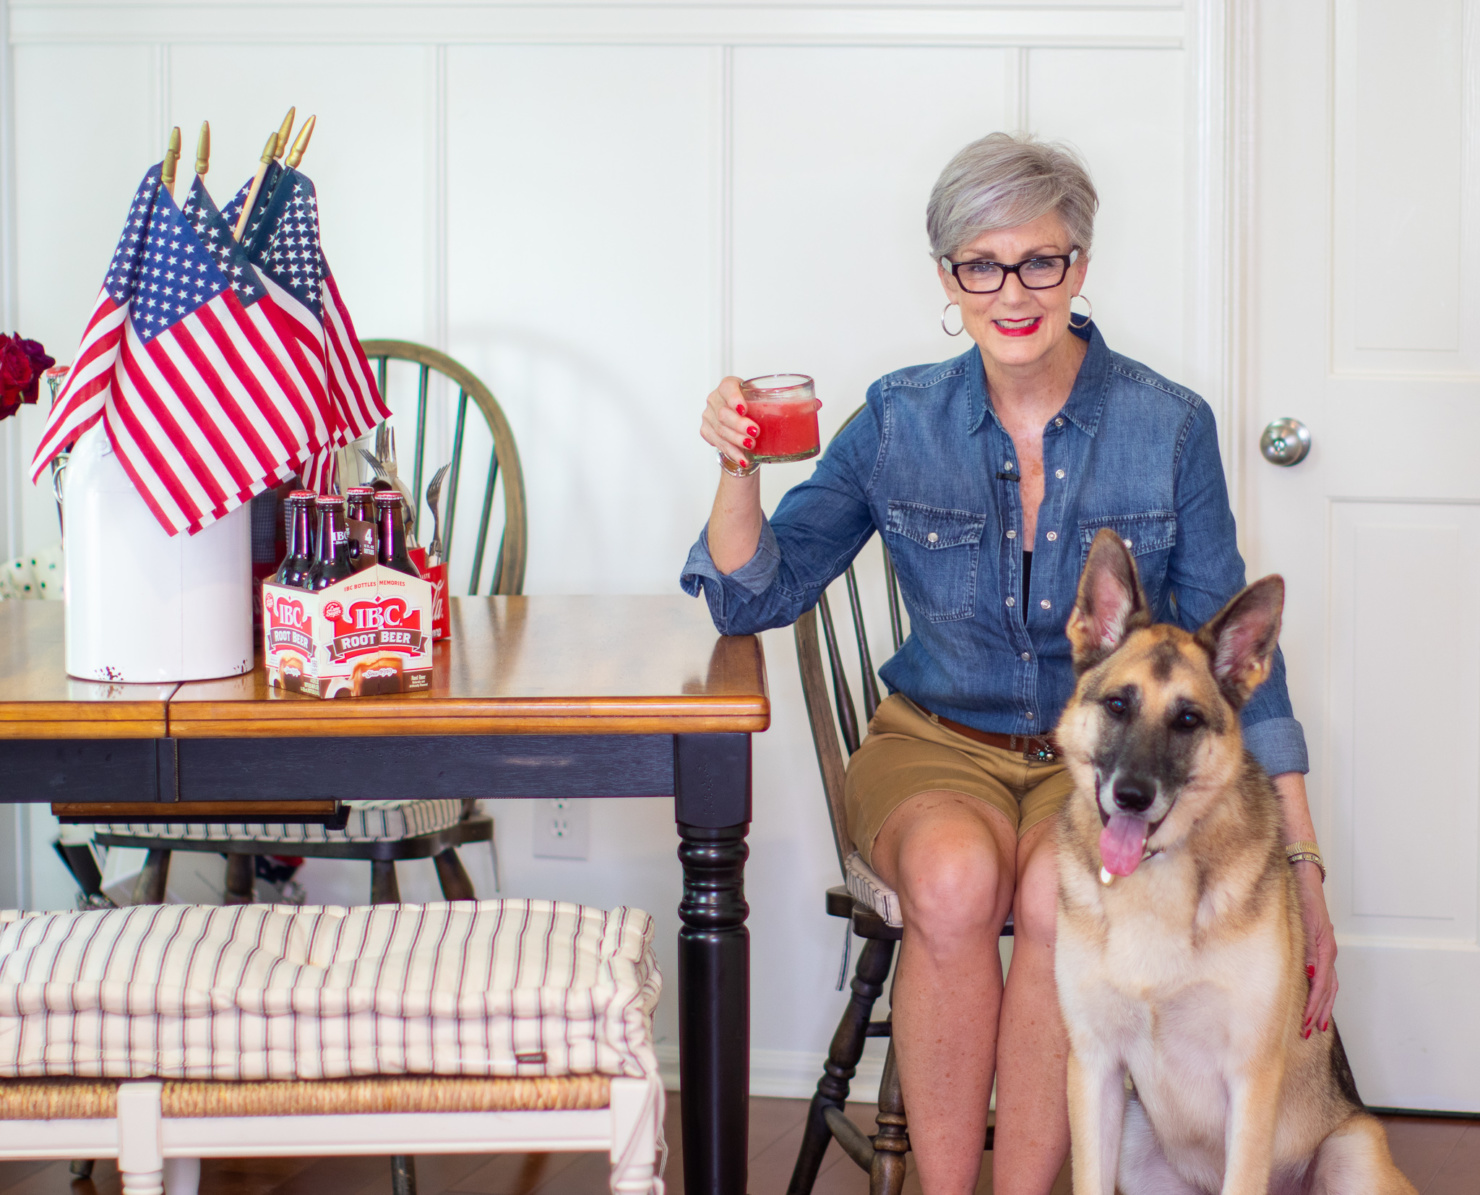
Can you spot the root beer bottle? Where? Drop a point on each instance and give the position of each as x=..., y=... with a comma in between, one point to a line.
x=393, y=532
x=360, y=509
x=299, y=559
x=331, y=562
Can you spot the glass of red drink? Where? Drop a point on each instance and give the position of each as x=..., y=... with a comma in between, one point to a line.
x=784, y=407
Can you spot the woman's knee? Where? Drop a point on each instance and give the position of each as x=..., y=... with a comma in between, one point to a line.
x=1035, y=906
x=952, y=878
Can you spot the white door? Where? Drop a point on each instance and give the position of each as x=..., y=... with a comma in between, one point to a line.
x=1366, y=327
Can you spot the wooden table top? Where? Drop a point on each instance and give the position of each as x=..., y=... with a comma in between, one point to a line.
x=38, y=700
x=514, y=665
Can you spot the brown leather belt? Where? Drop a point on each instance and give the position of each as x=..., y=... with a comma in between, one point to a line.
x=1036, y=749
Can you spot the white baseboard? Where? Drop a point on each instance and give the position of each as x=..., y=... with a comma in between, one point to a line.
x=790, y=1074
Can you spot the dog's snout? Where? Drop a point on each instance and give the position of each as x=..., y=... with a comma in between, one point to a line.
x=1134, y=796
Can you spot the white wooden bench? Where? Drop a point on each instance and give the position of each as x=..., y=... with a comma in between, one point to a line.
x=163, y=1035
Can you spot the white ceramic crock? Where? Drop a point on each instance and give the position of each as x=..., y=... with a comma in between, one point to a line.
x=143, y=606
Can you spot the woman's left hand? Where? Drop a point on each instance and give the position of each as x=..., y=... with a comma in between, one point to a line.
x=1320, y=949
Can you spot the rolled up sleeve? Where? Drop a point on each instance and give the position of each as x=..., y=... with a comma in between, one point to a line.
x=1206, y=570
x=729, y=591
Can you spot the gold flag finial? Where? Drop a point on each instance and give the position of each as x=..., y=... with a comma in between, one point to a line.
x=269, y=151
x=302, y=143
x=203, y=148
x=171, y=157
x=285, y=130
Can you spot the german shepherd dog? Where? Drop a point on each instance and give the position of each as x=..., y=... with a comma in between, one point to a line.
x=1180, y=952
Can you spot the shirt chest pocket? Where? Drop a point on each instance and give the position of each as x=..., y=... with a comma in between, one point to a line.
x=1150, y=536
x=937, y=552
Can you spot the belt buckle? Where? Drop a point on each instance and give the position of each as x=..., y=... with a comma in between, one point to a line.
x=1039, y=751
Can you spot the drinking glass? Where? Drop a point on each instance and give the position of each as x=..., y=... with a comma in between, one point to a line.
x=784, y=407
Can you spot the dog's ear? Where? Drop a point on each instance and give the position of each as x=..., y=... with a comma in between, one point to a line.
x=1241, y=638
x=1110, y=603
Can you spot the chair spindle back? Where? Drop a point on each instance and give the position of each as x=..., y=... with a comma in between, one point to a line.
x=509, y=561
x=839, y=718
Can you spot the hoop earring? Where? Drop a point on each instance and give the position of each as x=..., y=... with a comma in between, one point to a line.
x=943, y=327
x=1088, y=315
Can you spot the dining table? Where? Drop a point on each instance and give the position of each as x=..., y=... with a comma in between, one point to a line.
x=604, y=696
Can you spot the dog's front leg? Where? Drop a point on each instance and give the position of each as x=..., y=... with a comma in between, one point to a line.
x=1096, y=1120
x=1249, y=1142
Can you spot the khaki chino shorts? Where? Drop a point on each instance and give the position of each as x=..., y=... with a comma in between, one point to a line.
x=908, y=752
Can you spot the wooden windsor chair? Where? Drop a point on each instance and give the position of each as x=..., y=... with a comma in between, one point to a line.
x=869, y=904
x=383, y=832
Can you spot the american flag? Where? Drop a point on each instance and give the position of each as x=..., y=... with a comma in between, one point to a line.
x=282, y=239
x=189, y=363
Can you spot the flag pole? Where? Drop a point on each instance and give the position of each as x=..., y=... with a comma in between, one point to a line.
x=269, y=151
x=203, y=148
x=171, y=158
x=304, y=134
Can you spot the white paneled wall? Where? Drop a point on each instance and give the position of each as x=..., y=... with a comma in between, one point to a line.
x=603, y=208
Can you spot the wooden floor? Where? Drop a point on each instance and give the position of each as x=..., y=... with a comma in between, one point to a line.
x=1442, y=1157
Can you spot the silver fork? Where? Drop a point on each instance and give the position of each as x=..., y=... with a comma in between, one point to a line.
x=434, y=499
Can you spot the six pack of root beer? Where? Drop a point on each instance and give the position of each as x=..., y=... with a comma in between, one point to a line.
x=348, y=612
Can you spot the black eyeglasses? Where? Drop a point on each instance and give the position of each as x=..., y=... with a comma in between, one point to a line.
x=988, y=277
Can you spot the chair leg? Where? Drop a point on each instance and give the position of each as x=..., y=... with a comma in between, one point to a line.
x=892, y=1141
x=181, y=1176
x=241, y=874
x=149, y=888
x=454, y=879
x=81, y=1167
x=403, y=1175
x=842, y=1061
x=383, y=887
x=84, y=868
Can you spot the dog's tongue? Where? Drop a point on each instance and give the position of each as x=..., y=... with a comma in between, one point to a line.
x=1122, y=843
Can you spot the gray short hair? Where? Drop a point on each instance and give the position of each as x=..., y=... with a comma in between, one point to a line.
x=1001, y=181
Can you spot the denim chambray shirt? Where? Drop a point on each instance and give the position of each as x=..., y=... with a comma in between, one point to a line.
x=928, y=464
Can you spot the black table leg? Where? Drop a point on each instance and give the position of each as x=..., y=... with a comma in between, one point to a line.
x=712, y=800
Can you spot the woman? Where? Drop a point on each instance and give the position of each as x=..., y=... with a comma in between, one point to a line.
x=988, y=476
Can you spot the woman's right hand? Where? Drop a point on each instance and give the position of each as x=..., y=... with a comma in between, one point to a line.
x=725, y=424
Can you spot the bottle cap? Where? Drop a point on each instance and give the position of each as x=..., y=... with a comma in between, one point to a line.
x=329, y=499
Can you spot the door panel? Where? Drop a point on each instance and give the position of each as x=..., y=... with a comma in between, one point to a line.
x=1365, y=329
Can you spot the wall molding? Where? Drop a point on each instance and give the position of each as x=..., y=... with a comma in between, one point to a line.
x=10, y=441
x=788, y=1074
x=237, y=22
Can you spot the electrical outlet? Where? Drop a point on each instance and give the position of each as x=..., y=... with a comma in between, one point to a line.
x=562, y=828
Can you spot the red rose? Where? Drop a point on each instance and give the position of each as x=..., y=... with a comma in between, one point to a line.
x=22, y=362
x=40, y=363
x=15, y=375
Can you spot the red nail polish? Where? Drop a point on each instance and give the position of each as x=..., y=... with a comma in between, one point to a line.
x=1306, y=1035
x=740, y=409
x=755, y=431
x=1310, y=971
x=1325, y=1025
x=750, y=443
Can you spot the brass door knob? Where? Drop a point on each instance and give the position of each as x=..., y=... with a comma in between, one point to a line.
x=1285, y=442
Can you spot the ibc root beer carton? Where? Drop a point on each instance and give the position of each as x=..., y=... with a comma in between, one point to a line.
x=370, y=633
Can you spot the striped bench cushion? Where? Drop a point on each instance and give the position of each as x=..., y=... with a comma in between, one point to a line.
x=369, y=821
x=480, y=988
